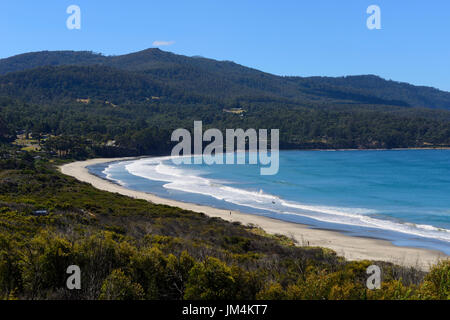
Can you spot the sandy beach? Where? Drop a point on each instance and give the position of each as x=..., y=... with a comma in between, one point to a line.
x=352, y=248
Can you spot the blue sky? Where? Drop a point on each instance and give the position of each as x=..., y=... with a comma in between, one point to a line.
x=320, y=37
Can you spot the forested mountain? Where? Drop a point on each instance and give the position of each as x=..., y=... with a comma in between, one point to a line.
x=68, y=83
x=225, y=80
x=93, y=105
x=397, y=93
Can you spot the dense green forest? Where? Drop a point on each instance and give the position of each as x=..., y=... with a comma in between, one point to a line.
x=226, y=79
x=132, y=249
x=141, y=129
x=91, y=105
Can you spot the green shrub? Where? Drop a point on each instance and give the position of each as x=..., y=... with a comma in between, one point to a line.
x=118, y=286
x=210, y=280
x=437, y=282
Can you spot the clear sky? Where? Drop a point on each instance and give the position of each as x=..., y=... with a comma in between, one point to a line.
x=285, y=37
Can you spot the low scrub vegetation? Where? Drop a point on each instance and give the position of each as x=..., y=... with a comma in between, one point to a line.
x=132, y=249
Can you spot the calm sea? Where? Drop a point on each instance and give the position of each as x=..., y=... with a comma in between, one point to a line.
x=401, y=196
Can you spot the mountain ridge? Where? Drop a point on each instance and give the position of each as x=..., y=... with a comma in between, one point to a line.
x=225, y=79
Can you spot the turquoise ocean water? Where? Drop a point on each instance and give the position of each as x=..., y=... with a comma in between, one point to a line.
x=401, y=195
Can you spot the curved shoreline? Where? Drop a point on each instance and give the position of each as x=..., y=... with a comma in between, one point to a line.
x=349, y=247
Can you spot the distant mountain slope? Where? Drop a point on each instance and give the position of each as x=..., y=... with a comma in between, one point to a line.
x=130, y=104
x=32, y=60
x=228, y=80
x=384, y=89
x=68, y=83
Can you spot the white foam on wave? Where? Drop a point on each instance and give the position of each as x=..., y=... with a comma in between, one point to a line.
x=190, y=182
x=110, y=170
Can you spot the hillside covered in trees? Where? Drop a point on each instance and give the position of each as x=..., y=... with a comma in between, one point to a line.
x=95, y=105
x=223, y=80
